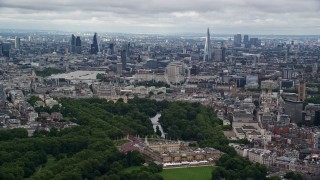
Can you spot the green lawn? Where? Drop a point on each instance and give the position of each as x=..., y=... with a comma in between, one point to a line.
x=191, y=173
x=50, y=162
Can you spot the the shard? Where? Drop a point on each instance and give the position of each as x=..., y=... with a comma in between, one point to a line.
x=207, y=48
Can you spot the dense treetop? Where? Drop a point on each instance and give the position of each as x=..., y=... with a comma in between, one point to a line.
x=88, y=151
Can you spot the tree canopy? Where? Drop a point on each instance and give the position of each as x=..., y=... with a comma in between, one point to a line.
x=193, y=121
x=230, y=168
x=87, y=151
x=48, y=72
x=82, y=152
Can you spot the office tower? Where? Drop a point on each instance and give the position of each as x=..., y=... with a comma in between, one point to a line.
x=287, y=73
x=6, y=47
x=78, y=47
x=316, y=120
x=128, y=50
x=17, y=42
x=111, y=47
x=246, y=41
x=94, y=46
x=217, y=55
x=73, y=44
x=119, y=68
x=2, y=93
x=255, y=41
x=207, y=48
x=175, y=73
x=124, y=56
x=223, y=57
x=237, y=40
x=302, y=90
x=220, y=54
x=1, y=49
x=294, y=110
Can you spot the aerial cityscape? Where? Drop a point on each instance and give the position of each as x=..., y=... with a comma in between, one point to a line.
x=160, y=99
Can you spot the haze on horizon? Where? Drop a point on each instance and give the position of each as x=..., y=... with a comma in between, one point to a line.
x=279, y=17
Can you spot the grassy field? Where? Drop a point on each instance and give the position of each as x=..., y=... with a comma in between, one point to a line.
x=191, y=173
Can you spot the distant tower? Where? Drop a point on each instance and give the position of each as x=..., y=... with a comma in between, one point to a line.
x=119, y=68
x=220, y=54
x=78, y=47
x=111, y=47
x=6, y=48
x=128, y=50
x=0, y=49
x=246, y=41
x=73, y=44
x=302, y=90
x=287, y=73
x=237, y=40
x=286, y=56
x=124, y=56
x=17, y=43
x=207, y=48
x=315, y=68
x=233, y=89
x=94, y=46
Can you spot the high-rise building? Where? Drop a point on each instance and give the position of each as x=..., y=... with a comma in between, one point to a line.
x=17, y=43
x=294, y=110
x=111, y=47
x=316, y=120
x=175, y=73
x=246, y=41
x=302, y=90
x=255, y=41
x=6, y=47
x=233, y=89
x=223, y=57
x=207, y=48
x=119, y=68
x=124, y=56
x=220, y=54
x=1, y=49
x=128, y=50
x=94, y=46
x=287, y=73
x=78, y=47
x=73, y=44
x=237, y=40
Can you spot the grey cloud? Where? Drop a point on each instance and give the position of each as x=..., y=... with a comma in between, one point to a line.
x=163, y=6
x=179, y=15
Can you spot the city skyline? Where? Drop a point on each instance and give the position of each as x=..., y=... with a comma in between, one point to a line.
x=138, y=16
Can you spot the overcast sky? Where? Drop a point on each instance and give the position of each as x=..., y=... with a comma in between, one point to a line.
x=164, y=16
